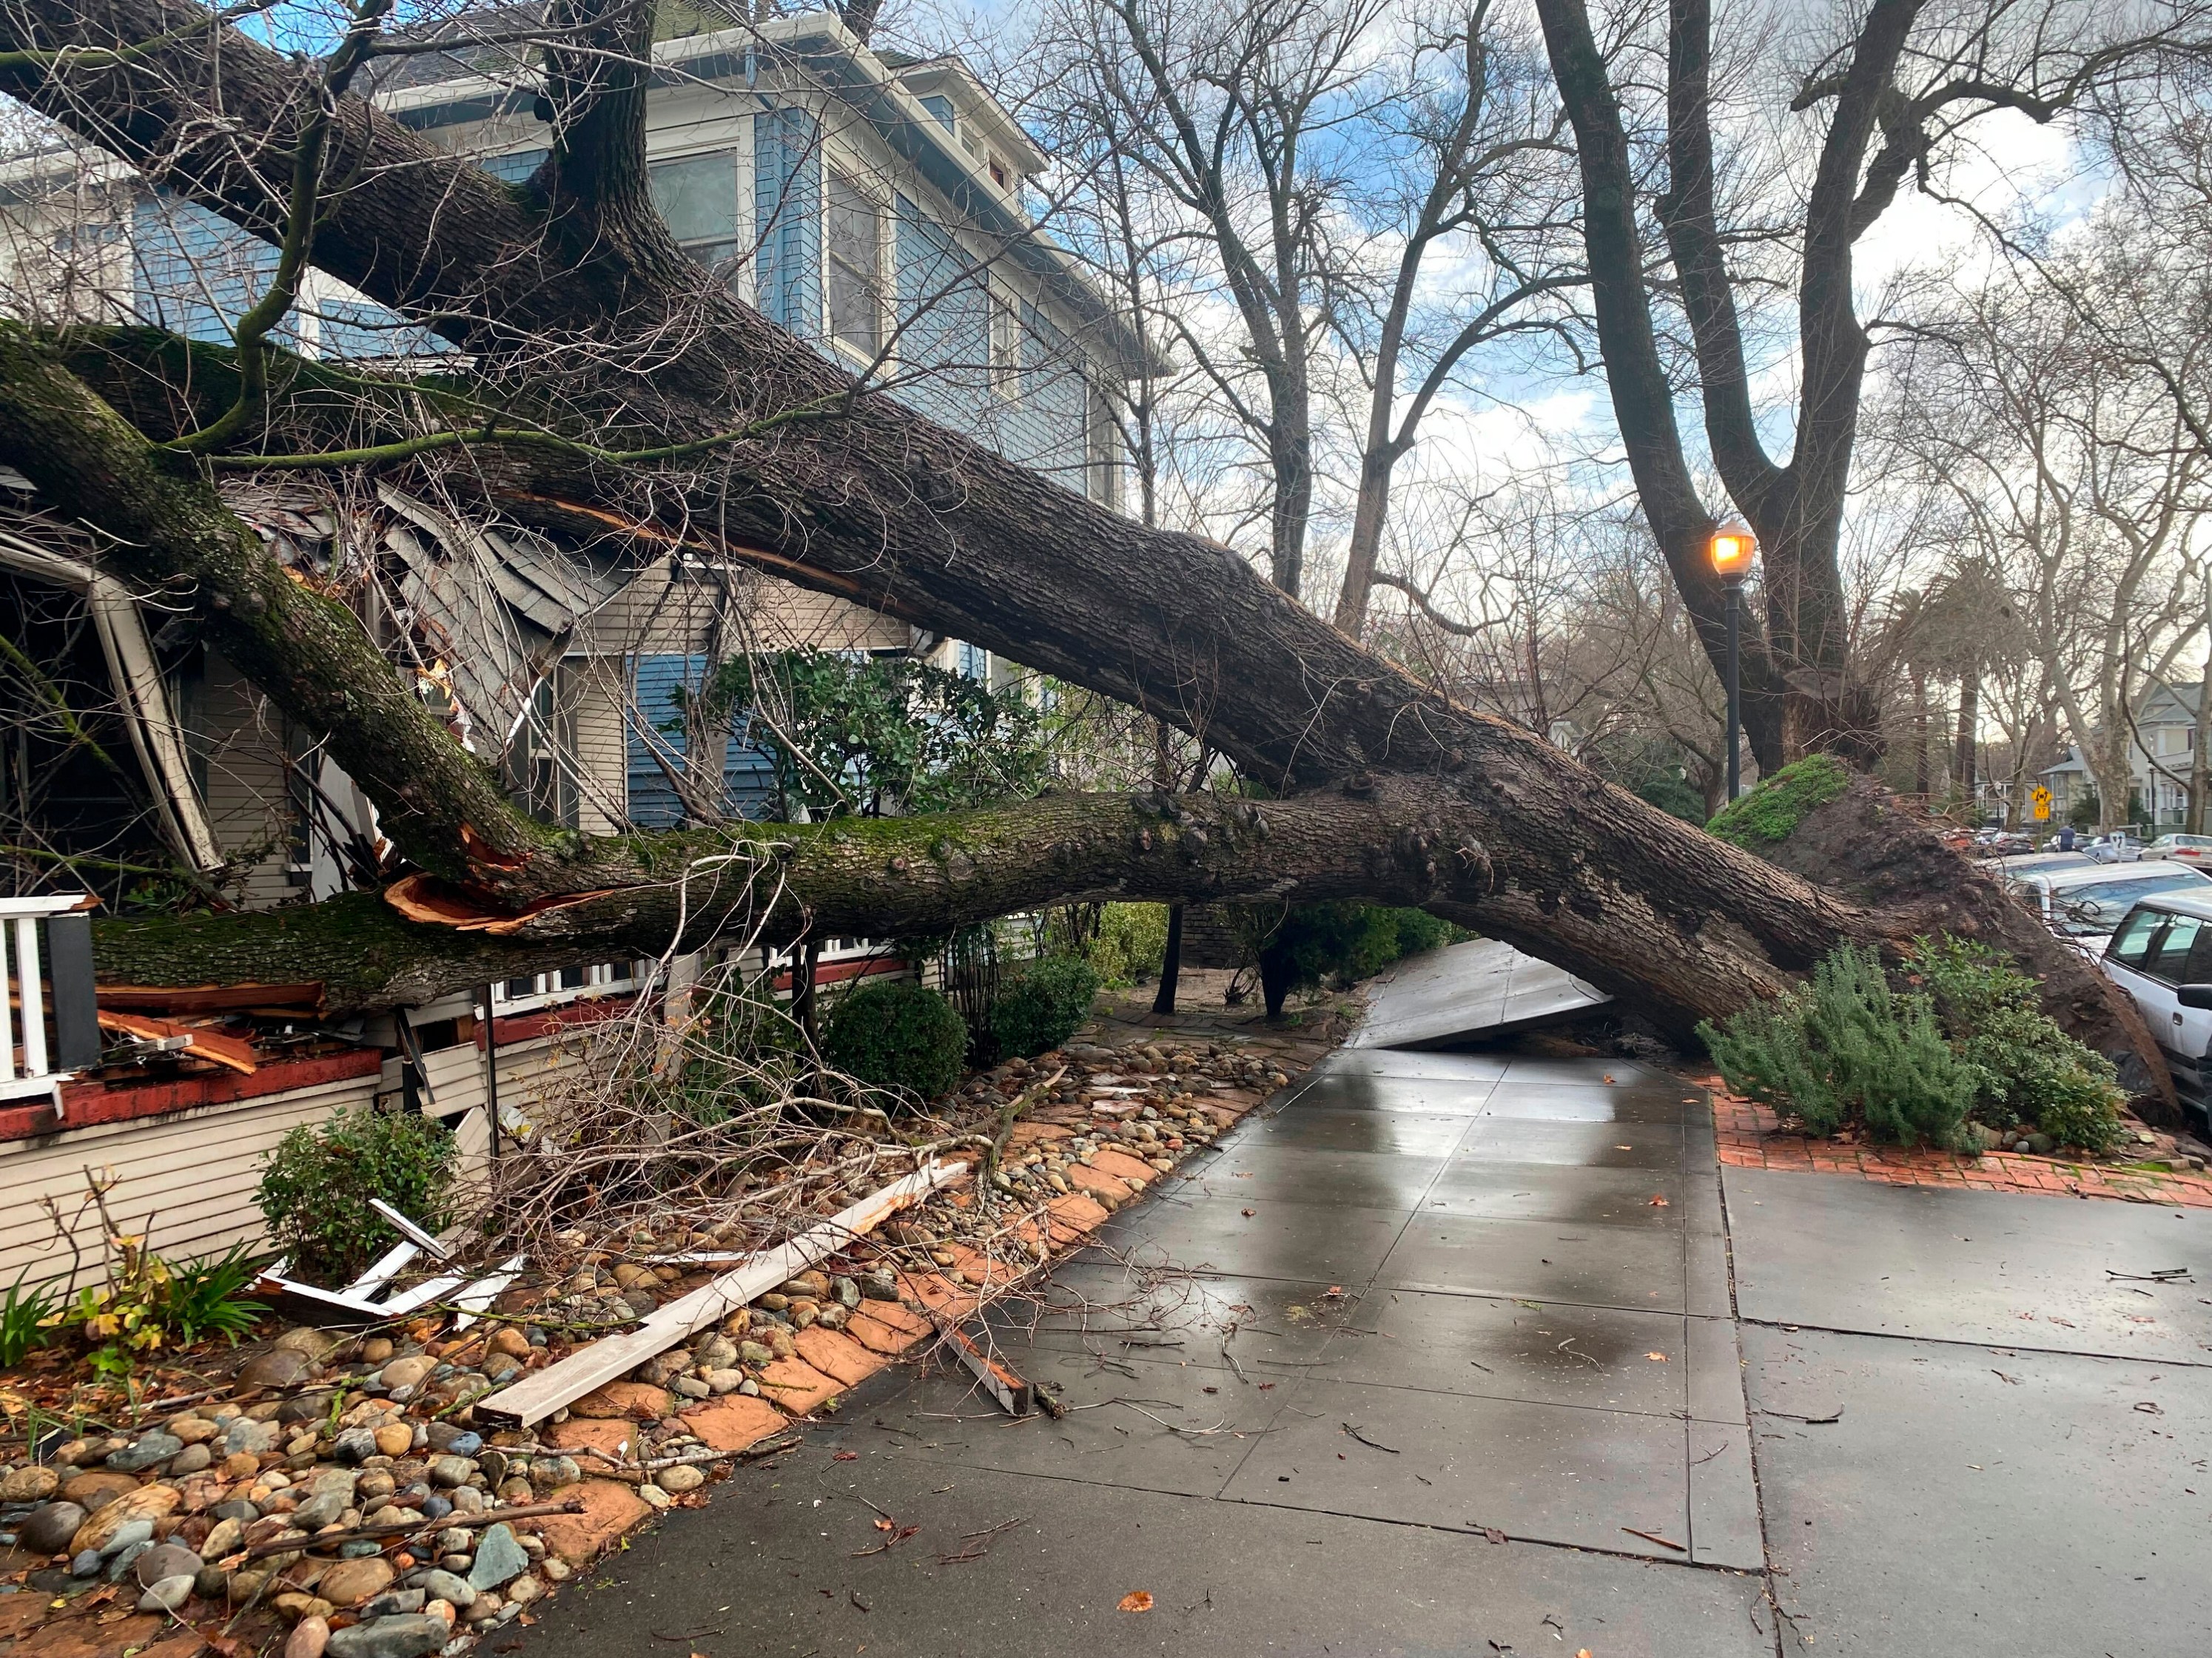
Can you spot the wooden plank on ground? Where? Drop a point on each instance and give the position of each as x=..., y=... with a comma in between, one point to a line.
x=539, y=1396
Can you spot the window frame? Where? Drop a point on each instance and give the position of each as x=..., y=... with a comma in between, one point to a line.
x=837, y=174
x=737, y=269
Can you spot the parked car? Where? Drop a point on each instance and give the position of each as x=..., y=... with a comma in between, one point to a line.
x=2083, y=903
x=2118, y=847
x=2161, y=956
x=2187, y=848
x=2036, y=862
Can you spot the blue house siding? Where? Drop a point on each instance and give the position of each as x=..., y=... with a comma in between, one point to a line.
x=196, y=274
x=747, y=779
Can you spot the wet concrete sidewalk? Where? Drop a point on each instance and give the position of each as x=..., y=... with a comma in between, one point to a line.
x=1477, y=1354
x=1434, y=1354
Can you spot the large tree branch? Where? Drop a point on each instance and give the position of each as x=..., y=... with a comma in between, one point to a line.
x=1693, y=226
x=880, y=505
x=1642, y=398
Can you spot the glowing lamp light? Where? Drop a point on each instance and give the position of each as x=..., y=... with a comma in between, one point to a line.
x=1732, y=549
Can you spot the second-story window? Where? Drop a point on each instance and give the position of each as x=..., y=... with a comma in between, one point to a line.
x=855, y=268
x=1006, y=346
x=698, y=198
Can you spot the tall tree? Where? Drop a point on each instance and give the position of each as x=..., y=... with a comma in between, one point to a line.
x=1891, y=86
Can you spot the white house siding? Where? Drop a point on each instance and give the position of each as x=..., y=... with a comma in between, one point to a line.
x=238, y=750
x=192, y=1172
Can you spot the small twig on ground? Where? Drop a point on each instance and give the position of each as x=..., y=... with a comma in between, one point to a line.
x=977, y=1544
x=1654, y=1537
x=1372, y=1444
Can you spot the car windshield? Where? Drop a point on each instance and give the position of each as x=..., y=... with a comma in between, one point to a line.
x=2094, y=908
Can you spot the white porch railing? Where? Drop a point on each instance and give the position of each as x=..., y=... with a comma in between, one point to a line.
x=26, y=1066
x=567, y=985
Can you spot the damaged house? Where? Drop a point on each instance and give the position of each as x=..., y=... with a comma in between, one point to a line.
x=870, y=203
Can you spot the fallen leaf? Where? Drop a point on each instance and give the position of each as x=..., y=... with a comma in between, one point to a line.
x=1657, y=1359
x=884, y=1525
x=846, y=1456
x=1656, y=1203
x=1135, y=1600
x=2150, y=1408
x=1608, y=1076
x=1248, y=1214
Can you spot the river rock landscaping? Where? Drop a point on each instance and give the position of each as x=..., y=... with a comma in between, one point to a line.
x=337, y=1491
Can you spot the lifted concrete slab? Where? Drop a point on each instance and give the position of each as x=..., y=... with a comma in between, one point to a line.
x=1469, y=993
x=1962, y=1265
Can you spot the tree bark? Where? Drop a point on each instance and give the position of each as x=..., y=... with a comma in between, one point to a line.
x=1170, y=963
x=852, y=494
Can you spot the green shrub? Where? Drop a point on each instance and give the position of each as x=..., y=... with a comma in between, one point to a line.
x=316, y=1186
x=897, y=1035
x=2026, y=1066
x=1130, y=942
x=1040, y=1007
x=148, y=1305
x=22, y=1315
x=1844, y=1045
x=1770, y=814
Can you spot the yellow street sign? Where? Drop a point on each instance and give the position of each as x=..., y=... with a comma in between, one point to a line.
x=2041, y=801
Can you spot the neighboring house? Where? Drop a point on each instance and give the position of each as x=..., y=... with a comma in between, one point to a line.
x=870, y=203
x=2160, y=756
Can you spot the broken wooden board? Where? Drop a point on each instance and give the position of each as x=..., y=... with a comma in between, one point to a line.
x=611, y=1359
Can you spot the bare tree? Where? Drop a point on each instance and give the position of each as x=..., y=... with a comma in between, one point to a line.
x=1884, y=95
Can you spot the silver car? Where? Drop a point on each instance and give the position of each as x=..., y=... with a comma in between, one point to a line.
x=2083, y=903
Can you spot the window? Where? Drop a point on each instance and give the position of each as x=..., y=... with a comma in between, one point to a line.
x=2197, y=969
x=1006, y=346
x=973, y=662
x=855, y=269
x=998, y=173
x=2171, y=958
x=2131, y=946
x=698, y=198
x=2089, y=910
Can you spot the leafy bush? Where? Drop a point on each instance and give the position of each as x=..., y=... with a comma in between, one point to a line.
x=22, y=1314
x=897, y=1035
x=317, y=1183
x=1130, y=943
x=1040, y=1007
x=1844, y=1045
x=2026, y=1066
x=147, y=1303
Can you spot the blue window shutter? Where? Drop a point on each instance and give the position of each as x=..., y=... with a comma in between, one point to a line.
x=787, y=207
x=748, y=777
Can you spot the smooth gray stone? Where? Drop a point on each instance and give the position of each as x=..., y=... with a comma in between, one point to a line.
x=499, y=1558
x=409, y=1635
x=149, y=1449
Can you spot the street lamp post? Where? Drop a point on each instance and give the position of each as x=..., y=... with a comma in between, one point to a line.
x=1732, y=548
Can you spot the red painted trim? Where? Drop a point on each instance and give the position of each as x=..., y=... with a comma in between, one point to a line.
x=85, y=1104
x=831, y=973
x=547, y=1021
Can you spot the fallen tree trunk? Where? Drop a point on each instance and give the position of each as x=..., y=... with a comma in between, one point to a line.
x=848, y=492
